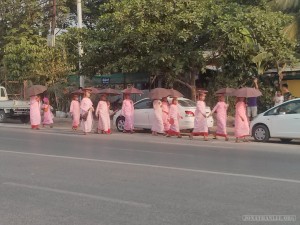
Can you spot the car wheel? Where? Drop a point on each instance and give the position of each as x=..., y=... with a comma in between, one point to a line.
x=261, y=133
x=120, y=123
x=285, y=140
x=2, y=116
x=25, y=119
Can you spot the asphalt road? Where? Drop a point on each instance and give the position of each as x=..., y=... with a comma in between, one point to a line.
x=58, y=177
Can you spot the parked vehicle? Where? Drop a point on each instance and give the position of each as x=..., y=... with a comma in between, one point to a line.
x=282, y=121
x=13, y=108
x=143, y=112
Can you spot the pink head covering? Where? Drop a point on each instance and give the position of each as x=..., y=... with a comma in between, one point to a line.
x=45, y=100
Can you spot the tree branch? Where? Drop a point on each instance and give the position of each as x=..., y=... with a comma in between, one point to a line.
x=184, y=83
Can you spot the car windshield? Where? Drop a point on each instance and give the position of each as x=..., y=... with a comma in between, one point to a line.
x=186, y=103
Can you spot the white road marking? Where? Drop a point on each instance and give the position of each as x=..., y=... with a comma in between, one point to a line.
x=78, y=194
x=158, y=167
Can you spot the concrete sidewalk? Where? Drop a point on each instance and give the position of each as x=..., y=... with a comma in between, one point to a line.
x=66, y=123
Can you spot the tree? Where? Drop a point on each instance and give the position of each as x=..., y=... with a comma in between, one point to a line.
x=170, y=38
x=291, y=7
x=33, y=60
x=157, y=37
x=24, y=28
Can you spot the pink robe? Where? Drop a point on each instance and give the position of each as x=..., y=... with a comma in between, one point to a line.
x=85, y=105
x=165, y=115
x=35, y=112
x=157, y=121
x=128, y=113
x=221, y=110
x=48, y=115
x=174, y=117
x=241, y=128
x=108, y=118
x=75, y=112
x=103, y=113
x=200, y=122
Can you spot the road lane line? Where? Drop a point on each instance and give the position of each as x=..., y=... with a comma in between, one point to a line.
x=78, y=194
x=158, y=167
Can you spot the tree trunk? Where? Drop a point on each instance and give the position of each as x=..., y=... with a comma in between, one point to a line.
x=280, y=71
x=191, y=85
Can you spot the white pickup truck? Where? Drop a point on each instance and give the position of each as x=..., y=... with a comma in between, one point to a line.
x=13, y=108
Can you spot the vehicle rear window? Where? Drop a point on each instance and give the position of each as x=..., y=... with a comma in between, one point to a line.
x=187, y=103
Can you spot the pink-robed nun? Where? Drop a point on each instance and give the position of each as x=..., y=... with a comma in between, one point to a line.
x=128, y=112
x=102, y=112
x=221, y=110
x=75, y=112
x=200, y=122
x=35, y=112
x=86, y=105
x=241, y=126
x=48, y=115
x=174, y=117
x=157, y=121
x=108, y=118
x=165, y=114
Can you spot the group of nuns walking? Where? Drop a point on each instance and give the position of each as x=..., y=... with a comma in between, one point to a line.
x=165, y=120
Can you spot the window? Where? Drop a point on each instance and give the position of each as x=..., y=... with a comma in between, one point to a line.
x=290, y=108
x=146, y=104
x=187, y=103
x=287, y=108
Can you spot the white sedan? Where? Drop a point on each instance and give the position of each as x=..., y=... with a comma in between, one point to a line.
x=282, y=121
x=143, y=112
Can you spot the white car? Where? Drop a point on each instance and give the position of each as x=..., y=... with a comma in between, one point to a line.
x=143, y=112
x=282, y=121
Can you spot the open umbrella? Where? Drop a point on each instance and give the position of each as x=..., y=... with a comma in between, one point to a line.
x=225, y=91
x=159, y=93
x=132, y=90
x=174, y=93
x=36, y=89
x=92, y=89
x=109, y=91
x=79, y=91
x=246, y=92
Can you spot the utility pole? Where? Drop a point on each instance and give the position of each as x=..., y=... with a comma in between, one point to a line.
x=53, y=24
x=80, y=50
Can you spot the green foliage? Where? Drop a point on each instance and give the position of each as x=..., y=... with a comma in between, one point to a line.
x=158, y=37
x=32, y=60
x=174, y=39
x=170, y=38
